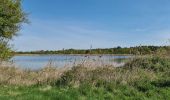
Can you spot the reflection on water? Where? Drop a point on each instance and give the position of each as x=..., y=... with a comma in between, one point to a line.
x=40, y=61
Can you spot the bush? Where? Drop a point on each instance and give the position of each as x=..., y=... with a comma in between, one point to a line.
x=156, y=64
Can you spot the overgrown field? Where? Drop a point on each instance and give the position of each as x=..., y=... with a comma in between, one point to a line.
x=145, y=78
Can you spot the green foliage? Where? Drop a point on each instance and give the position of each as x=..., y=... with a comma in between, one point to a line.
x=156, y=64
x=139, y=50
x=11, y=18
x=5, y=51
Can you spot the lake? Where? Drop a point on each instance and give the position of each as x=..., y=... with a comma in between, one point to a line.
x=35, y=62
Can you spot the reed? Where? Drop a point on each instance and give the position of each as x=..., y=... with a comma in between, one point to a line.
x=88, y=70
x=141, y=78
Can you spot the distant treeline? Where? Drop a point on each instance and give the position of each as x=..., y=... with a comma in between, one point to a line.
x=138, y=50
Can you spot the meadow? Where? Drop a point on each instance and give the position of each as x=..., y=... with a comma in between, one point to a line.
x=142, y=78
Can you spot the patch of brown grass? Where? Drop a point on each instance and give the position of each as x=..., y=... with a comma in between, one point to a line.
x=16, y=76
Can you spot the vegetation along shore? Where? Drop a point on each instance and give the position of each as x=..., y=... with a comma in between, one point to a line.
x=145, y=77
x=141, y=78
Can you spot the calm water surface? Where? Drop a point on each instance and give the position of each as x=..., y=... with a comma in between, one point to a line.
x=39, y=61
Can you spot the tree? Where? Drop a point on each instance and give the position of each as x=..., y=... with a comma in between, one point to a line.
x=11, y=18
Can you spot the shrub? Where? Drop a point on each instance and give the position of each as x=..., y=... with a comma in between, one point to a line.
x=156, y=64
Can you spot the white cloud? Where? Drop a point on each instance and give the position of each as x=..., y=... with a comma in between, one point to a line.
x=54, y=35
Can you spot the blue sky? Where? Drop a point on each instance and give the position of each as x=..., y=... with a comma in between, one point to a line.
x=58, y=24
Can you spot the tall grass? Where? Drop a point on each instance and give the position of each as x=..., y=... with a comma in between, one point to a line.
x=141, y=78
x=16, y=76
x=137, y=69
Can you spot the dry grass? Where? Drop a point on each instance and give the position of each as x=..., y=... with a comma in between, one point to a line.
x=16, y=76
x=91, y=72
x=79, y=75
x=144, y=78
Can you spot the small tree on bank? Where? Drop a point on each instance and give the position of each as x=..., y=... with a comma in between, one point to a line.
x=11, y=18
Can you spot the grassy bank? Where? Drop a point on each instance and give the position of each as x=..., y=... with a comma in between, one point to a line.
x=142, y=78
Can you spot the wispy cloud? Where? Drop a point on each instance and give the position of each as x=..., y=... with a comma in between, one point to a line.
x=54, y=35
x=46, y=35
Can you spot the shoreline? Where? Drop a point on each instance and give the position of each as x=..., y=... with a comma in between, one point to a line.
x=76, y=54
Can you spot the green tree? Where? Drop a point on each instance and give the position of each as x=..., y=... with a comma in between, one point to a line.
x=11, y=18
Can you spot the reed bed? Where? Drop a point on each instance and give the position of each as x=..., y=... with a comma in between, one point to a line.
x=87, y=70
x=50, y=74
x=16, y=76
x=139, y=79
